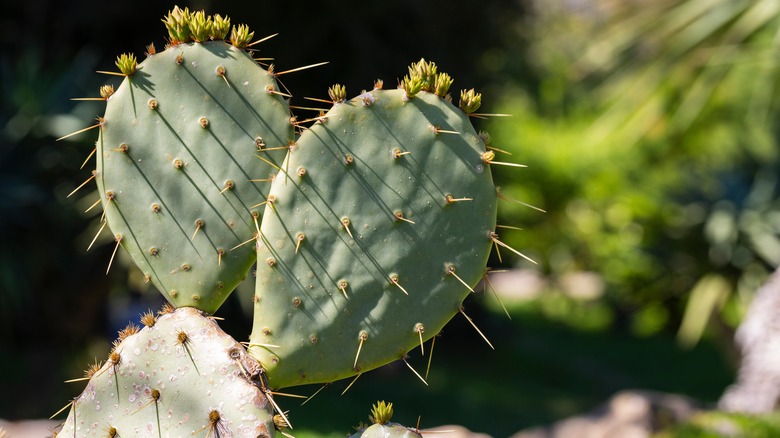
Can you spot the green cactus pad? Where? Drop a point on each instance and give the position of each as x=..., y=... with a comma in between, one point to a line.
x=176, y=156
x=385, y=207
x=182, y=376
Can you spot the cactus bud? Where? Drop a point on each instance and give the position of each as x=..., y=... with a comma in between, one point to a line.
x=470, y=101
x=200, y=26
x=426, y=71
x=240, y=37
x=485, y=137
x=220, y=27
x=178, y=24
x=337, y=93
x=442, y=84
x=381, y=412
x=126, y=63
x=411, y=85
x=106, y=91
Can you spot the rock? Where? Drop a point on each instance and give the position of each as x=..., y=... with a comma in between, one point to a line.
x=28, y=428
x=451, y=431
x=628, y=414
x=757, y=389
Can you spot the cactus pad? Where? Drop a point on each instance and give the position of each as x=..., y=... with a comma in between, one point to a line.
x=374, y=233
x=175, y=162
x=181, y=376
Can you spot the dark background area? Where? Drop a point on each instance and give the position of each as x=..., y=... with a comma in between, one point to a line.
x=59, y=309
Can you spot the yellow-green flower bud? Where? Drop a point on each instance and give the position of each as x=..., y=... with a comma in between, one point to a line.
x=200, y=26
x=426, y=71
x=126, y=63
x=470, y=101
x=485, y=137
x=178, y=24
x=411, y=85
x=442, y=84
x=220, y=27
x=106, y=91
x=240, y=37
x=381, y=412
x=337, y=93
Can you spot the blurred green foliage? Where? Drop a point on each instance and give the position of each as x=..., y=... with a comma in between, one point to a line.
x=721, y=424
x=651, y=140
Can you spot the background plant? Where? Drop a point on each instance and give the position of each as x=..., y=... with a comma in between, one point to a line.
x=656, y=155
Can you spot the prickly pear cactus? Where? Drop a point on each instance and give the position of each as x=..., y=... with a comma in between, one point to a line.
x=377, y=222
x=374, y=233
x=181, y=375
x=177, y=164
x=381, y=413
